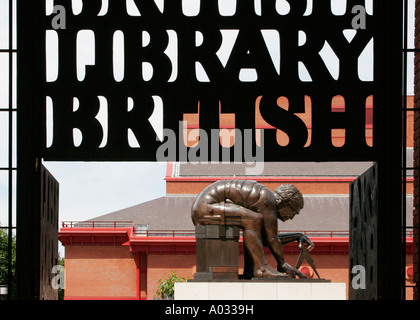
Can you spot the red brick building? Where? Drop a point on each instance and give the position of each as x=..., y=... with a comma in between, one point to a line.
x=122, y=255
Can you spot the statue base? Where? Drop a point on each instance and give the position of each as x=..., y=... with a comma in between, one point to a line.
x=260, y=289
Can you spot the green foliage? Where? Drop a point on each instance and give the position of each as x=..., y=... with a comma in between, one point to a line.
x=166, y=286
x=60, y=290
x=4, y=240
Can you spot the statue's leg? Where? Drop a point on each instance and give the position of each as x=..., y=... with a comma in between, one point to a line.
x=248, y=264
x=251, y=222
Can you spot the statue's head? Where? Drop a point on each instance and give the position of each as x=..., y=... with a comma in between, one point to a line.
x=287, y=195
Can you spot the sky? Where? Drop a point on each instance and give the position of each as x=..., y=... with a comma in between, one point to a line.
x=91, y=189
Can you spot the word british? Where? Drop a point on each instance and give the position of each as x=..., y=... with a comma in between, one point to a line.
x=210, y=63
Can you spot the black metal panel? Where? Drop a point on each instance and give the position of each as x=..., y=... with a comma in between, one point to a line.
x=38, y=248
x=48, y=249
x=363, y=245
x=182, y=91
x=375, y=236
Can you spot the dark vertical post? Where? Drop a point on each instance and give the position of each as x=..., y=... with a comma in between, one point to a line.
x=389, y=121
x=10, y=169
x=30, y=71
x=385, y=245
x=416, y=151
x=404, y=152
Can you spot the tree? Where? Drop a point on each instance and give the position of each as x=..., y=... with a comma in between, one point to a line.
x=60, y=289
x=166, y=286
x=4, y=272
x=4, y=260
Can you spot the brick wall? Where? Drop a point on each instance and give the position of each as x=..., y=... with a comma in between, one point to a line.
x=416, y=148
x=100, y=272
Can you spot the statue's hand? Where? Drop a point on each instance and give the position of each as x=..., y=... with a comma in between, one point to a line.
x=291, y=271
x=304, y=239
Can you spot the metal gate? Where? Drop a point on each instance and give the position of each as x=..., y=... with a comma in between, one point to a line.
x=33, y=90
x=40, y=243
x=363, y=244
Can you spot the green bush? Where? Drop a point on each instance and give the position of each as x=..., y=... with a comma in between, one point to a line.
x=166, y=285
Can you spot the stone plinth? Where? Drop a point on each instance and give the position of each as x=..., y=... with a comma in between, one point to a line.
x=287, y=289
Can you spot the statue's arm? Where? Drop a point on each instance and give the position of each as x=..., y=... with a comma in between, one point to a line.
x=276, y=247
x=287, y=238
x=272, y=240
